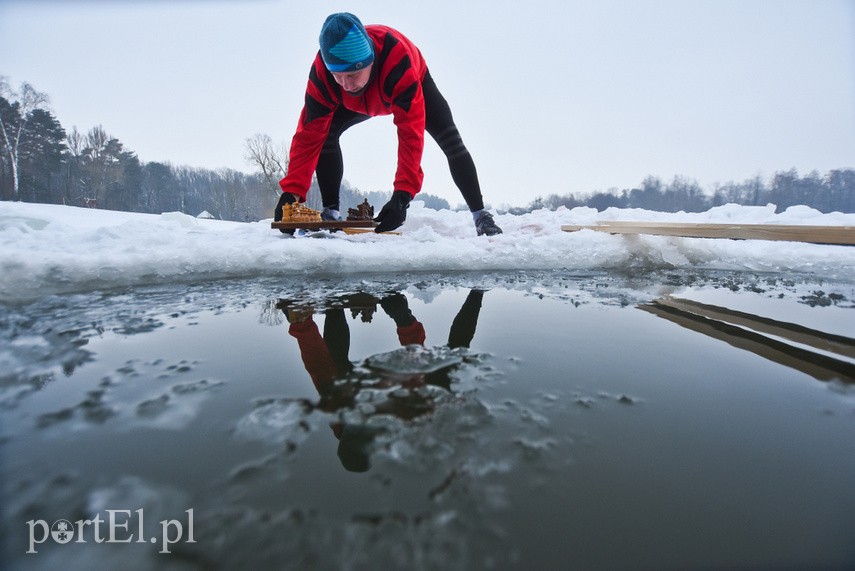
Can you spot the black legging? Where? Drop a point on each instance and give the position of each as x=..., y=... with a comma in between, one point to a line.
x=438, y=123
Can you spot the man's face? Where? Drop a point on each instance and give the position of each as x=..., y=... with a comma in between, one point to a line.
x=353, y=81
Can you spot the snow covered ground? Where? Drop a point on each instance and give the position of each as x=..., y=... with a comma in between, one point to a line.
x=195, y=394
x=47, y=249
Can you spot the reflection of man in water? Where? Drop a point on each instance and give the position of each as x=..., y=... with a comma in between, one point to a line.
x=326, y=360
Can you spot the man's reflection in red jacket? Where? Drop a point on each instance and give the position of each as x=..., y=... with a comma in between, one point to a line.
x=326, y=360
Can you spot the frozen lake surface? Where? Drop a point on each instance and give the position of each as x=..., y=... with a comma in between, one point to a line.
x=667, y=418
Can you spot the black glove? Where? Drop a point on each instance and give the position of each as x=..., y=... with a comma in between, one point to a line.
x=398, y=309
x=394, y=212
x=285, y=198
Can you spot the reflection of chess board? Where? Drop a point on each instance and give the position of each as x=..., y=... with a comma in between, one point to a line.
x=366, y=313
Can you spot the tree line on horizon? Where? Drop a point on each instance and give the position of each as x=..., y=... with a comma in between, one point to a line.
x=833, y=192
x=42, y=162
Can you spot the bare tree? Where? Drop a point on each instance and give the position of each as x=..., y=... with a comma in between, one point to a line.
x=96, y=141
x=272, y=159
x=75, y=142
x=13, y=126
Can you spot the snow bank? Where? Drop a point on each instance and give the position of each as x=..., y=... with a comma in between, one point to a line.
x=48, y=249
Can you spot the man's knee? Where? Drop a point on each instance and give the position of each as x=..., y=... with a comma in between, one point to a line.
x=450, y=142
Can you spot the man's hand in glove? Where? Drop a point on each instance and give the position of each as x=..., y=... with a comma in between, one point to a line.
x=394, y=212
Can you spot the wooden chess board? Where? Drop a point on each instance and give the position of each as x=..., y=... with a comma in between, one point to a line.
x=324, y=225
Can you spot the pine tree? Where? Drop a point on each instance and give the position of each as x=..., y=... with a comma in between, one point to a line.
x=40, y=156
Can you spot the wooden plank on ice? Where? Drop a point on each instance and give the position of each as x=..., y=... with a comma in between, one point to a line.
x=818, y=365
x=324, y=225
x=364, y=230
x=790, y=332
x=839, y=235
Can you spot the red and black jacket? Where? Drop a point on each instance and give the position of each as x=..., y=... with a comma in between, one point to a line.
x=318, y=359
x=395, y=88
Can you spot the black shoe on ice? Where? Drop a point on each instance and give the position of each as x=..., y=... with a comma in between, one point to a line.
x=486, y=226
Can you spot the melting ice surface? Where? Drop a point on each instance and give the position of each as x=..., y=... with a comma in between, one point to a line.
x=49, y=248
x=578, y=401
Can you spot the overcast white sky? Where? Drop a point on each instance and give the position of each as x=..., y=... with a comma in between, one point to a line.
x=550, y=96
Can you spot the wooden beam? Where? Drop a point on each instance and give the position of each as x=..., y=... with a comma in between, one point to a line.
x=324, y=225
x=364, y=230
x=818, y=365
x=790, y=332
x=838, y=235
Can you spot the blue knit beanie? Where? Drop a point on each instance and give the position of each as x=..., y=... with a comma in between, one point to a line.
x=345, y=45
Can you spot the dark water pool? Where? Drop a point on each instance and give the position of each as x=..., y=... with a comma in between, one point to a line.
x=514, y=421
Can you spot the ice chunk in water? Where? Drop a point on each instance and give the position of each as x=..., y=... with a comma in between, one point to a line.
x=415, y=359
x=276, y=421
